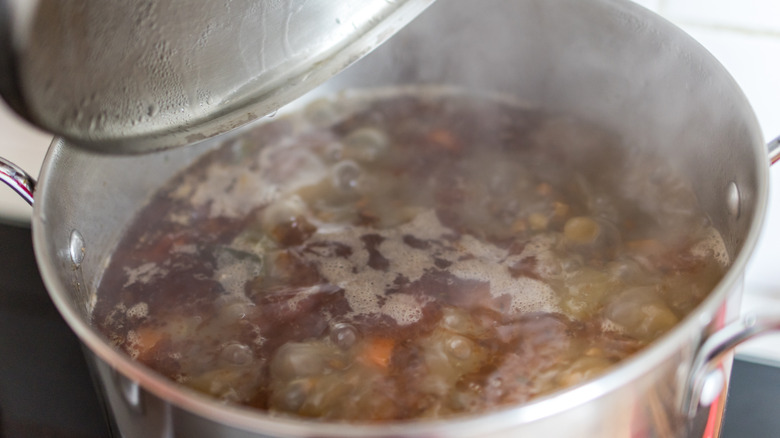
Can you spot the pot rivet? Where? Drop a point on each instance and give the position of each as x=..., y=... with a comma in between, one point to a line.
x=76, y=248
x=712, y=387
x=733, y=200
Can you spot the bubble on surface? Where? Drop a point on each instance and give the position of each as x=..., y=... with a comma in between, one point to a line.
x=365, y=287
x=346, y=176
x=236, y=354
x=235, y=268
x=459, y=347
x=365, y=144
x=297, y=359
x=290, y=166
x=321, y=112
x=343, y=335
x=144, y=273
x=131, y=344
x=712, y=245
x=221, y=188
x=526, y=294
x=233, y=312
x=138, y=311
x=282, y=212
x=404, y=309
x=296, y=393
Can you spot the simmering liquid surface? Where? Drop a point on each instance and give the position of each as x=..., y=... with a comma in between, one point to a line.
x=407, y=255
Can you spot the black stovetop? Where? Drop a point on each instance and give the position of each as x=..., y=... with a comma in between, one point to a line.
x=46, y=391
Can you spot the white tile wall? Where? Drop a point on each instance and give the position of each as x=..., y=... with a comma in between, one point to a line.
x=753, y=59
x=653, y=5
x=744, y=15
x=743, y=34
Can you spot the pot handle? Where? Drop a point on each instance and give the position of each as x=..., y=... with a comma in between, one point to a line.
x=17, y=179
x=706, y=379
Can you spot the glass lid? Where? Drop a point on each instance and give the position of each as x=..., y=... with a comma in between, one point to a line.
x=134, y=76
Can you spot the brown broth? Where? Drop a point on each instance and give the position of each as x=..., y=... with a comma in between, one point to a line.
x=407, y=255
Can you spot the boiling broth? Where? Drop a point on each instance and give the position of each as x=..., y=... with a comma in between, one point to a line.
x=404, y=255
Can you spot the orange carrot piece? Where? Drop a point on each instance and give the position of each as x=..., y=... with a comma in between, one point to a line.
x=147, y=339
x=444, y=139
x=378, y=351
x=544, y=189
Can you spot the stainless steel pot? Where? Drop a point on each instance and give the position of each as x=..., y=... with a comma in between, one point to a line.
x=608, y=61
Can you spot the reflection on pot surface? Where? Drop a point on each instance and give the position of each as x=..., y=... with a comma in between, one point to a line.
x=408, y=253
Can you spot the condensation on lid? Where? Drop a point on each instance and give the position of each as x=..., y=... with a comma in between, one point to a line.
x=137, y=76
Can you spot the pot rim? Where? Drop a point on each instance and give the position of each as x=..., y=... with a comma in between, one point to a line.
x=546, y=406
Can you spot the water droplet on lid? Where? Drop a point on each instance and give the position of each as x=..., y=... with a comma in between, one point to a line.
x=152, y=110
